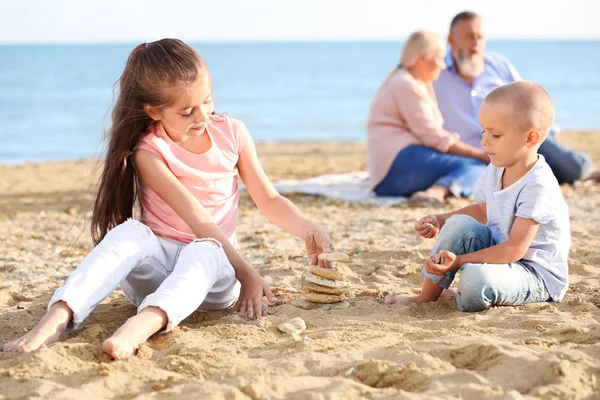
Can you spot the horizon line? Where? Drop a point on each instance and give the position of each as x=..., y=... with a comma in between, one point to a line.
x=284, y=40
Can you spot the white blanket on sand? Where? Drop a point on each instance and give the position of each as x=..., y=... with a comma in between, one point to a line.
x=352, y=186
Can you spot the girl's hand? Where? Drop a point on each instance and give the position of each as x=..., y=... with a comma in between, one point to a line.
x=428, y=227
x=317, y=241
x=439, y=264
x=254, y=287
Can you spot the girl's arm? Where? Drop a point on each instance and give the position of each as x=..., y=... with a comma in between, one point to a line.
x=155, y=173
x=279, y=210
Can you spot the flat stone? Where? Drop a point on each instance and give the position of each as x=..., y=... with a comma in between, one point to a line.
x=309, y=305
x=316, y=279
x=304, y=304
x=334, y=256
x=335, y=306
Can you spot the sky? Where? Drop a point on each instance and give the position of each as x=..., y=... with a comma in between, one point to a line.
x=41, y=21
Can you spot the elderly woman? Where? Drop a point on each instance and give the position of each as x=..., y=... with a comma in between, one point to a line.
x=409, y=152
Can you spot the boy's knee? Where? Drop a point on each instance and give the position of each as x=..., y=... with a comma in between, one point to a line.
x=459, y=221
x=457, y=225
x=476, y=290
x=462, y=234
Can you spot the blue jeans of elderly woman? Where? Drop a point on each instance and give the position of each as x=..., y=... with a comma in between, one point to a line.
x=417, y=168
x=482, y=286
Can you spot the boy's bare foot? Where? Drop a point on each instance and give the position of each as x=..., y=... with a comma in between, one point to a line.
x=447, y=294
x=429, y=292
x=126, y=340
x=391, y=299
x=46, y=332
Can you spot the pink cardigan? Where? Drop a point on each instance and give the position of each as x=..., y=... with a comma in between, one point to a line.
x=404, y=112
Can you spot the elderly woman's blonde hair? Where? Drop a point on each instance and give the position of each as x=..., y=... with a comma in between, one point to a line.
x=418, y=43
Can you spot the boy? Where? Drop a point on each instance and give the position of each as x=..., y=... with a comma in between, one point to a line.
x=512, y=246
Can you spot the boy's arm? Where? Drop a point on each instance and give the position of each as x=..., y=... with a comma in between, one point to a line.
x=514, y=249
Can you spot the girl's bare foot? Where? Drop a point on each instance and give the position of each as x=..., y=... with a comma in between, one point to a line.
x=46, y=332
x=126, y=340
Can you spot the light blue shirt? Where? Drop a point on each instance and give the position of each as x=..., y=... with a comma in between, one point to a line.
x=459, y=103
x=536, y=196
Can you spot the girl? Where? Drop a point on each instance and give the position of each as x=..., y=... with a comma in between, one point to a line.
x=172, y=152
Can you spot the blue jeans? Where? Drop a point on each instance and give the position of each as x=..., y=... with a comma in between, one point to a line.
x=482, y=286
x=417, y=168
x=568, y=165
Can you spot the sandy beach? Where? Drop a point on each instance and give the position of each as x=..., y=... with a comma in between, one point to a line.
x=367, y=350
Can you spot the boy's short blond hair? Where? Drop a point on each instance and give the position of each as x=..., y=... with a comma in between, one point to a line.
x=532, y=107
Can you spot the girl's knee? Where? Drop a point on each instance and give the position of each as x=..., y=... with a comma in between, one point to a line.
x=132, y=229
x=204, y=244
x=206, y=250
x=130, y=237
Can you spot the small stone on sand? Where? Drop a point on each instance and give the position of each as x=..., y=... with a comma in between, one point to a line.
x=293, y=326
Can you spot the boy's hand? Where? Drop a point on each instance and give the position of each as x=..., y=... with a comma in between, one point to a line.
x=317, y=241
x=254, y=287
x=428, y=226
x=439, y=264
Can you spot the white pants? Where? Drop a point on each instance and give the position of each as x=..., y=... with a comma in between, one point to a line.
x=176, y=277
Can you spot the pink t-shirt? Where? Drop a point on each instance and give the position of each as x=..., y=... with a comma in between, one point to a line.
x=210, y=177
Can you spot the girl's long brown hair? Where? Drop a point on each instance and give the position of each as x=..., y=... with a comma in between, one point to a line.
x=155, y=72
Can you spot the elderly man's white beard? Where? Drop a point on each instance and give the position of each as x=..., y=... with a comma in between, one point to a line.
x=471, y=67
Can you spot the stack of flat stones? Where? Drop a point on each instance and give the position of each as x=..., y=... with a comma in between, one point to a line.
x=325, y=285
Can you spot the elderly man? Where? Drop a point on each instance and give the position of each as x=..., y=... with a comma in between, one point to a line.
x=470, y=75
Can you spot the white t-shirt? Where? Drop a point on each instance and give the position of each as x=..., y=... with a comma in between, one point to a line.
x=536, y=196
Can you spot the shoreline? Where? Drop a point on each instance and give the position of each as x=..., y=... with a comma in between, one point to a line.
x=267, y=144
